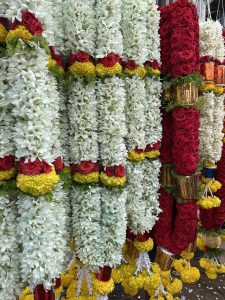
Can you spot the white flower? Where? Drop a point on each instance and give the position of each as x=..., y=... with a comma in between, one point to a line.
x=134, y=30
x=6, y=119
x=9, y=250
x=112, y=130
x=211, y=39
x=218, y=127
x=41, y=226
x=153, y=37
x=135, y=112
x=32, y=96
x=109, y=37
x=153, y=127
x=80, y=25
x=3, y=7
x=83, y=122
x=59, y=26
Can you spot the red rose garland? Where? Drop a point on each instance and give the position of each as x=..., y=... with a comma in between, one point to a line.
x=165, y=38
x=166, y=143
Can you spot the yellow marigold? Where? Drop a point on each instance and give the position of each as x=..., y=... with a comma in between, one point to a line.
x=205, y=263
x=200, y=244
x=82, y=69
x=133, y=155
x=221, y=268
x=66, y=279
x=37, y=185
x=152, y=154
x=156, y=268
x=144, y=246
x=169, y=296
x=187, y=255
x=166, y=278
x=24, y=293
x=218, y=90
x=86, y=178
x=215, y=186
x=51, y=62
x=179, y=265
x=112, y=180
x=101, y=70
x=211, y=275
x=209, y=202
x=140, y=71
x=20, y=32
x=209, y=87
x=152, y=282
x=8, y=174
x=191, y=275
x=130, y=290
x=152, y=72
x=175, y=287
x=71, y=289
x=117, y=275
x=66, y=169
x=3, y=34
x=58, y=292
x=103, y=288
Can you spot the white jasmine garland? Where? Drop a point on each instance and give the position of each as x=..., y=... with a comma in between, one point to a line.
x=83, y=122
x=206, y=138
x=41, y=9
x=6, y=118
x=153, y=127
x=41, y=227
x=135, y=112
x=109, y=37
x=218, y=127
x=80, y=25
x=86, y=205
x=58, y=17
x=32, y=100
x=135, y=205
x=153, y=37
x=9, y=250
x=211, y=39
x=110, y=94
x=113, y=225
x=134, y=30
x=3, y=7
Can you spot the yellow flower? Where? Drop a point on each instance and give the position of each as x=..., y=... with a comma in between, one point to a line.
x=155, y=268
x=51, y=62
x=211, y=275
x=133, y=155
x=117, y=275
x=66, y=279
x=218, y=90
x=82, y=69
x=200, y=244
x=26, y=294
x=71, y=289
x=86, y=178
x=152, y=282
x=152, y=154
x=140, y=71
x=8, y=174
x=101, y=70
x=58, y=292
x=187, y=255
x=209, y=202
x=209, y=87
x=103, y=288
x=144, y=246
x=66, y=169
x=152, y=72
x=175, y=287
x=37, y=185
x=3, y=34
x=20, y=32
x=190, y=275
x=112, y=180
x=204, y=263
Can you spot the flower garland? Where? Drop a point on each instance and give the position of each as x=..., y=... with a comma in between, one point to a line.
x=58, y=18
x=41, y=227
x=211, y=39
x=9, y=261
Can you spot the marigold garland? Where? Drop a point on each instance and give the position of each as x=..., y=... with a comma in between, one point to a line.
x=82, y=69
x=136, y=156
x=86, y=178
x=37, y=185
x=101, y=70
x=7, y=174
x=20, y=32
x=209, y=202
x=152, y=154
x=140, y=71
x=112, y=180
x=3, y=33
x=144, y=246
x=103, y=288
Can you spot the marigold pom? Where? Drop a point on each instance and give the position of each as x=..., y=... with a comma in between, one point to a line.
x=101, y=70
x=92, y=177
x=103, y=288
x=37, y=185
x=209, y=202
x=144, y=246
x=133, y=155
x=152, y=154
x=187, y=255
x=8, y=174
x=175, y=287
x=140, y=71
x=82, y=69
x=3, y=34
x=20, y=32
x=190, y=275
x=112, y=180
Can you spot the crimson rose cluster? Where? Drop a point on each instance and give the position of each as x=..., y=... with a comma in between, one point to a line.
x=179, y=32
x=30, y=22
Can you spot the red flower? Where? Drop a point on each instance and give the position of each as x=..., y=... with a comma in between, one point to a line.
x=6, y=163
x=206, y=58
x=28, y=18
x=58, y=163
x=86, y=167
x=46, y=168
x=153, y=64
x=30, y=168
x=142, y=237
x=35, y=27
x=15, y=24
x=74, y=168
x=82, y=56
x=217, y=62
x=56, y=56
x=110, y=60
x=4, y=22
x=110, y=171
x=138, y=151
x=119, y=171
x=131, y=64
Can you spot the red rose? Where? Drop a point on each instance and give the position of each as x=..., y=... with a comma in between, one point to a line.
x=119, y=171
x=157, y=146
x=217, y=62
x=153, y=64
x=96, y=167
x=148, y=148
x=28, y=18
x=110, y=60
x=82, y=56
x=206, y=58
x=131, y=64
x=138, y=151
x=86, y=167
x=58, y=164
x=110, y=171
x=6, y=163
x=30, y=168
x=4, y=22
x=35, y=27
x=56, y=56
x=142, y=237
x=46, y=168
x=74, y=168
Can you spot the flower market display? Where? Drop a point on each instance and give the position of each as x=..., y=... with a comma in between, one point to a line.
x=112, y=149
